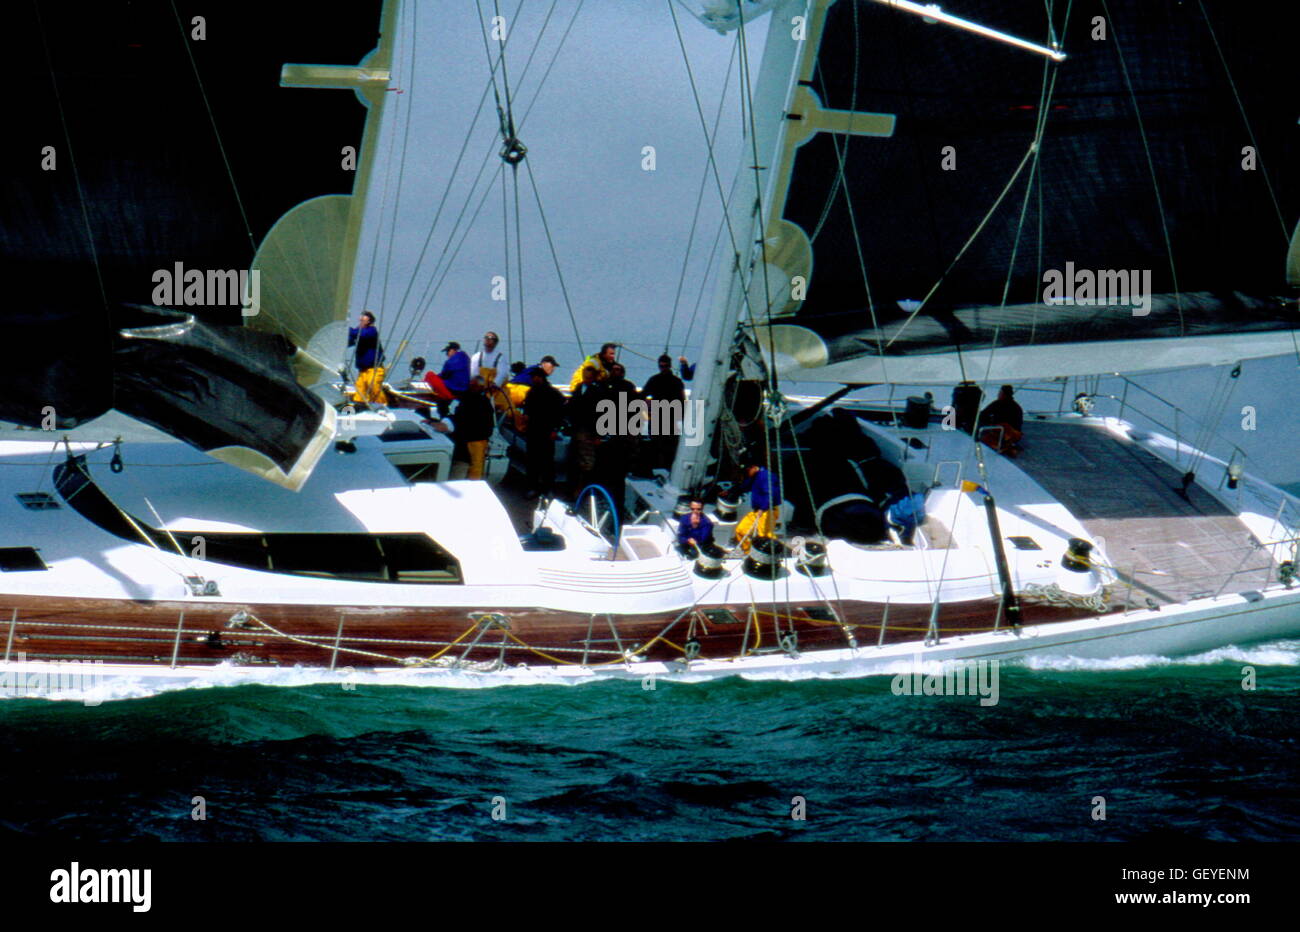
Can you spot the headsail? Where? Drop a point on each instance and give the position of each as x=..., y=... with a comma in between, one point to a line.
x=931, y=217
x=158, y=148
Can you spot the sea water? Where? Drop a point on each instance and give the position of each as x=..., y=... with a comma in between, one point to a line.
x=1202, y=747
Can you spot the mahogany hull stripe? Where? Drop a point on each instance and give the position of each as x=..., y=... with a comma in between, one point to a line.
x=156, y=632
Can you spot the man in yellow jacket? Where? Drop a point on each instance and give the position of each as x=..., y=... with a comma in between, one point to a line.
x=601, y=362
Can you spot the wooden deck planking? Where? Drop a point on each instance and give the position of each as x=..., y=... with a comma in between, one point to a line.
x=1166, y=547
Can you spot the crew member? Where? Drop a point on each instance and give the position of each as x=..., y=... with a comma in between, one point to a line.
x=543, y=412
x=369, y=355
x=602, y=362
x=520, y=383
x=472, y=429
x=582, y=414
x=453, y=380
x=764, y=500
x=664, y=386
x=488, y=362
x=617, y=449
x=694, y=529
x=1002, y=422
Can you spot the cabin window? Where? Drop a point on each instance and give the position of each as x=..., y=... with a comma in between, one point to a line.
x=400, y=558
x=37, y=501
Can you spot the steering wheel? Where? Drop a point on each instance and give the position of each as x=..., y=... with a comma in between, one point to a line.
x=595, y=509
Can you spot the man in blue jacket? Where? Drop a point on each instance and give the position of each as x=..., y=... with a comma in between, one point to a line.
x=765, y=500
x=694, y=529
x=453, y=381
x=365, y=337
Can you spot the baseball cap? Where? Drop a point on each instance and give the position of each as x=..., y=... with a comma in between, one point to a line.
x=452, y=345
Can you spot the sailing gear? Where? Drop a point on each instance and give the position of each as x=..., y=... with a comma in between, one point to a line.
x=438, y=387
x=594, y=360
x=906, y=513
x=764, y=490
x=455, y=371
x=753, y=525
x=370, y=386
x=543, y=412
x=664, y=386
x=701, y=533
x=487, y=363
x=366, y=340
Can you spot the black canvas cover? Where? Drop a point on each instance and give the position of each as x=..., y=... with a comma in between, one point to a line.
x=1141, y=167
x=112, y=172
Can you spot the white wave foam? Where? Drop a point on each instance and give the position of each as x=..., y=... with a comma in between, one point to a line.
x=1273, y=654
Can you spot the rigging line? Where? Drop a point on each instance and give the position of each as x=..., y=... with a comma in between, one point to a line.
x=410, y=81
x=840, y=178
x=769, y=430
x=435, y=288
x=712, y=265
x=519, y=260
x=704, y=127
x=1044, y=100
x=505, y=75
x=547, y=73
x=248, y=227
x=699, y=200
x=546, y=228
x=1213, y=417
x=748, y=91
x=1146, y=147
x=1244, y=119
x=428, y=239
x=505, y=232
x=492, y=69
x=483, y=165
x=76, y=176
x=440, y=264
x=842, y=182
x=1036, y=174
x=969, y=242
x=383, y=206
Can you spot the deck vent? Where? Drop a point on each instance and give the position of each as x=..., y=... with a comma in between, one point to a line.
x=1252, y=595
x=1024, y=543
x=20, y=559
x=37, y=501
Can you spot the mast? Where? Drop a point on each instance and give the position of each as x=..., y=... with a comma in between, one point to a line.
x=784, y=59
x=787, y=113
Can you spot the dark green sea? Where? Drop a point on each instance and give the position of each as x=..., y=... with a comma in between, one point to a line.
x=1178, y=749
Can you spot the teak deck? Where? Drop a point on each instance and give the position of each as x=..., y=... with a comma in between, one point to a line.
x=1167, y=547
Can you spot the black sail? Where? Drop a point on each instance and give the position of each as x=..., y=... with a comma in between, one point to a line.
x=1140, y=168
x=123, y=96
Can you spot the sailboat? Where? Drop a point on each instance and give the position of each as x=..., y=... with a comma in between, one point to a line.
x=180, y=563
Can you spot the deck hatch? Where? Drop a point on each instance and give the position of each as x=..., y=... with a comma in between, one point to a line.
x=20, y=559
x=1024, y=543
